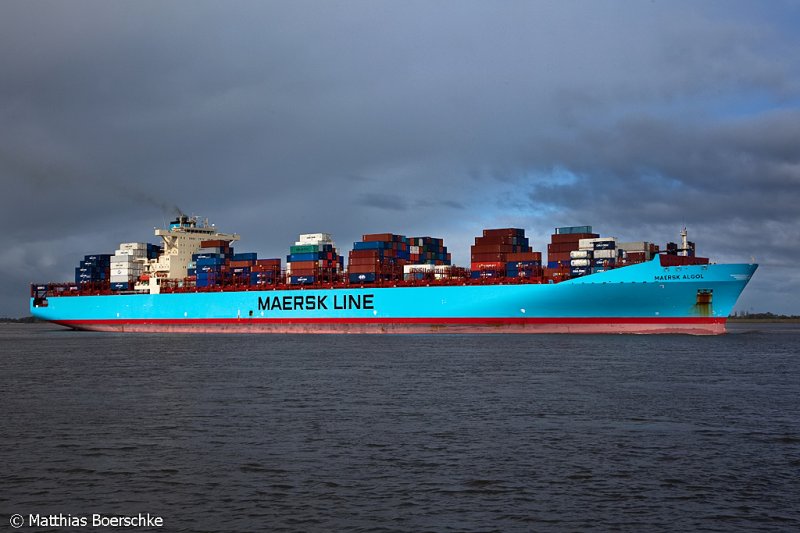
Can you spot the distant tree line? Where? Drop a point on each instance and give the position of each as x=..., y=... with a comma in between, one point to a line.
x=762, y=316
x=23, y=320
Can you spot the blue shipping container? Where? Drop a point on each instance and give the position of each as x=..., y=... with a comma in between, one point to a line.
x=210, y=261
x=250, y=256
x=366, y=277
x=291, y=258
x=119, y=286
x=371, y=245
x=302, y=280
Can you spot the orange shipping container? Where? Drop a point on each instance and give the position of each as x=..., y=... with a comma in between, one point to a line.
x=302, y=265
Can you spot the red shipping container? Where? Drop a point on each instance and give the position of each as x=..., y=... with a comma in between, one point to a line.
x=487, y=258
x=378, y=237
x=362, y=269
x=562, y=247
x=304, y=272
x=268, y=262
x=365, y=254
x=502, y=232
x=524, y=256
x=216, y=243
x=240, y=264
x=482, y=241
x=363, y=261
x=558, y=238
x=491, y=248
x=494, y=265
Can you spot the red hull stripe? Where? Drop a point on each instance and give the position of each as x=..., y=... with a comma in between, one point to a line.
x=378, y=321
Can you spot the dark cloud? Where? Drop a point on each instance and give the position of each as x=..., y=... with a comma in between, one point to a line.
x=274, y=119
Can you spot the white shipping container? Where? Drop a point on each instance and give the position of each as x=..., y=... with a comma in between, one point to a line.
x=119, y=264
x=580, y=254
x=133, y=246
x=637, y=246
x=123, y=258
x=605, y=254
x=132, y=253
x=119, y=279
x=580, y=262
x=586, y=244
x=314, y=238
x=413, y=249
x=130, y=268
x=442, y=271
x=407, y=269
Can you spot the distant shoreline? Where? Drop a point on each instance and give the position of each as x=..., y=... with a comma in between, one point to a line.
x=776, y=320
x=24, y=320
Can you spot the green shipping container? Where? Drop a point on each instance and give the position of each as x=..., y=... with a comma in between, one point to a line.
x=304, y=249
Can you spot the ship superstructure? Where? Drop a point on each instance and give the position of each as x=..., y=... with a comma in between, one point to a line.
x=182, y=239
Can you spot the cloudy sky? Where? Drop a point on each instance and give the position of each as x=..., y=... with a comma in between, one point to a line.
x=423, y=118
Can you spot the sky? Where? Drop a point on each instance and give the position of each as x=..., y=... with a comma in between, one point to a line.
x=431, y=117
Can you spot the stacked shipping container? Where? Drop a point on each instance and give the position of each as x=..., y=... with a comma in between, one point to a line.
x=312, y=259
x=427, y=258
x=216, y=263
x=378, y=257
x=211, y=263
x=638, y=251
x=565, y=240
x=93, y=269
x=596, y=254
x=504, y=252
x=129, y=263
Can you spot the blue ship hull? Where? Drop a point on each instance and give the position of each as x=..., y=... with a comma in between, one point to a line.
x=643, y=298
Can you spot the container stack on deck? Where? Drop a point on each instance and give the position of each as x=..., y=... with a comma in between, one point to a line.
x=312, y=259
x=504, y=252
x=596, y=254
x=93, y=269
x=563, y=242
x=638, y=251
x=216, y=263
x=378, y=257
x=265, y=272
x=427, y=258
x=211, y=262
x=128, y=263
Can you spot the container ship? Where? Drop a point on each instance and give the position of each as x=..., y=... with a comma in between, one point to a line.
x=193, y=281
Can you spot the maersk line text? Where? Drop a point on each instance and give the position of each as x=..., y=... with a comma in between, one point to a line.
x=312, y=302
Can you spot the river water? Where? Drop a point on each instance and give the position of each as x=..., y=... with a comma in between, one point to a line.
x=403, y=433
